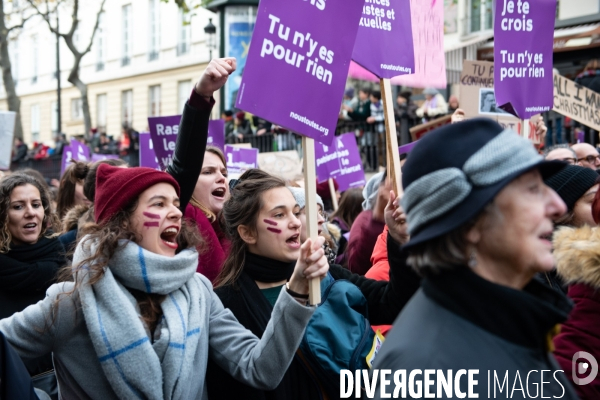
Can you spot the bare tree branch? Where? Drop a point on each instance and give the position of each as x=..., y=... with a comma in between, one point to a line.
x=89, y=47
x=15, y=27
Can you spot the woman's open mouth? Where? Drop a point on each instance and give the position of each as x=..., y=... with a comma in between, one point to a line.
x=219, y=193
x=169, y=237
x=30, y=227
x=294, y=241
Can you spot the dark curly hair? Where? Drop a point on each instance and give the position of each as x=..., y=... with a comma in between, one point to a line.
x=7, y=185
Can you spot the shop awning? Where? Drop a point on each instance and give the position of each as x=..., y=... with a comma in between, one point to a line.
x=565, y=39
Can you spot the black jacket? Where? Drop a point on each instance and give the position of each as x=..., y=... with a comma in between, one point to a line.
x=189, y=151
x=458, y=320
x=26, y=272
x=15, y=382
x=385, y=300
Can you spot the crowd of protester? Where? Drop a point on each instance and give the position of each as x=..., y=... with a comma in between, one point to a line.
x=130, y=282
x=126, y=146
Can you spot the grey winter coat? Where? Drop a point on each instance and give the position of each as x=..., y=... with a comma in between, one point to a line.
x=258, y=362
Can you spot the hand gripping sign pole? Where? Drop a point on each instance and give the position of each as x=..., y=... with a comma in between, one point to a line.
x=393, y=157
x=301, y=44
x=310, y=190
x=387, y=53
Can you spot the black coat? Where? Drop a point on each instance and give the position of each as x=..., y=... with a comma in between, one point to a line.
x=458, y=320
x=15, y=382
x=189, y=151
x=250, y=307
x=26, y=272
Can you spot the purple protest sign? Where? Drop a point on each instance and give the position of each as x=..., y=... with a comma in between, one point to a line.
x=384, y=44
x=102, y=157
x=80, y=151
x=147, y=155
x=216, y=133
x=67, y=155
x=240, y=159
x=407, y=148
x=76, y=151
x=300, y=44
x=523, y=41
x=164, y=130
x=341, y=161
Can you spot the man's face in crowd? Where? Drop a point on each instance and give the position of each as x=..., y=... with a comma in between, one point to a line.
x=565, y=155
x=587, y=155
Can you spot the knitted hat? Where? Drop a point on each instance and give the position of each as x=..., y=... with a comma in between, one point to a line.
x=301, y=198
x=572, y=182
x=323, y=188
x=117, y=187
x=370, y=191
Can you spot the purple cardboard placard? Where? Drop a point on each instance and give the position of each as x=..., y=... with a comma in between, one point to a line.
x=523, y=46
x=80, y=151
x=102, y=157
x=164, y=130
x=147, y=155
x=407, y=148
x=67, y=155
x=298, y=63
x=216, y=133
x=77, y=152
x=240, y=159
x=384, y=43
x=341, y=161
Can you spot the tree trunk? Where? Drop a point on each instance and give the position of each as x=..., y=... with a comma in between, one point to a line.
x=14, y=103
x=85, y=105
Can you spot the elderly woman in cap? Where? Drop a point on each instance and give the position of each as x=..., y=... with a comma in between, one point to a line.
x=479, y=219
x=434, y=105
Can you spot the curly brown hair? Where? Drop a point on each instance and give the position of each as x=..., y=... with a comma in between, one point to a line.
x=7, y=185
x=106, y=237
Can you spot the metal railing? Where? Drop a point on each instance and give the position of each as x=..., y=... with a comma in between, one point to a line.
x=370, y=139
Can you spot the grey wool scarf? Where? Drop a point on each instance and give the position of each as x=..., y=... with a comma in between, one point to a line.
x=135, y=367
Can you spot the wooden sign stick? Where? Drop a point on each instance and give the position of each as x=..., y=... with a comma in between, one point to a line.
x=310, y=190
x=525, y=128
x=333, y=194
x=393, y=158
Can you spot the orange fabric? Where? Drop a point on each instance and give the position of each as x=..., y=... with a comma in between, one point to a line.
x=380, y=269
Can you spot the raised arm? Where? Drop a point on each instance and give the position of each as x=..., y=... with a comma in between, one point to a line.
x=193, y=128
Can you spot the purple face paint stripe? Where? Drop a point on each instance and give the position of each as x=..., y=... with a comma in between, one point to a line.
x=149, y=224
x=150, y=215
x=274, y=230
x=268, y=221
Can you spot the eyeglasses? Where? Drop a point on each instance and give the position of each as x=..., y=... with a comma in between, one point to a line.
x=322, y=214
x=591, y=159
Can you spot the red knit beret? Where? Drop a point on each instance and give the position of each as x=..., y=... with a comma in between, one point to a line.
x=323, y=188
x=117, y=187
